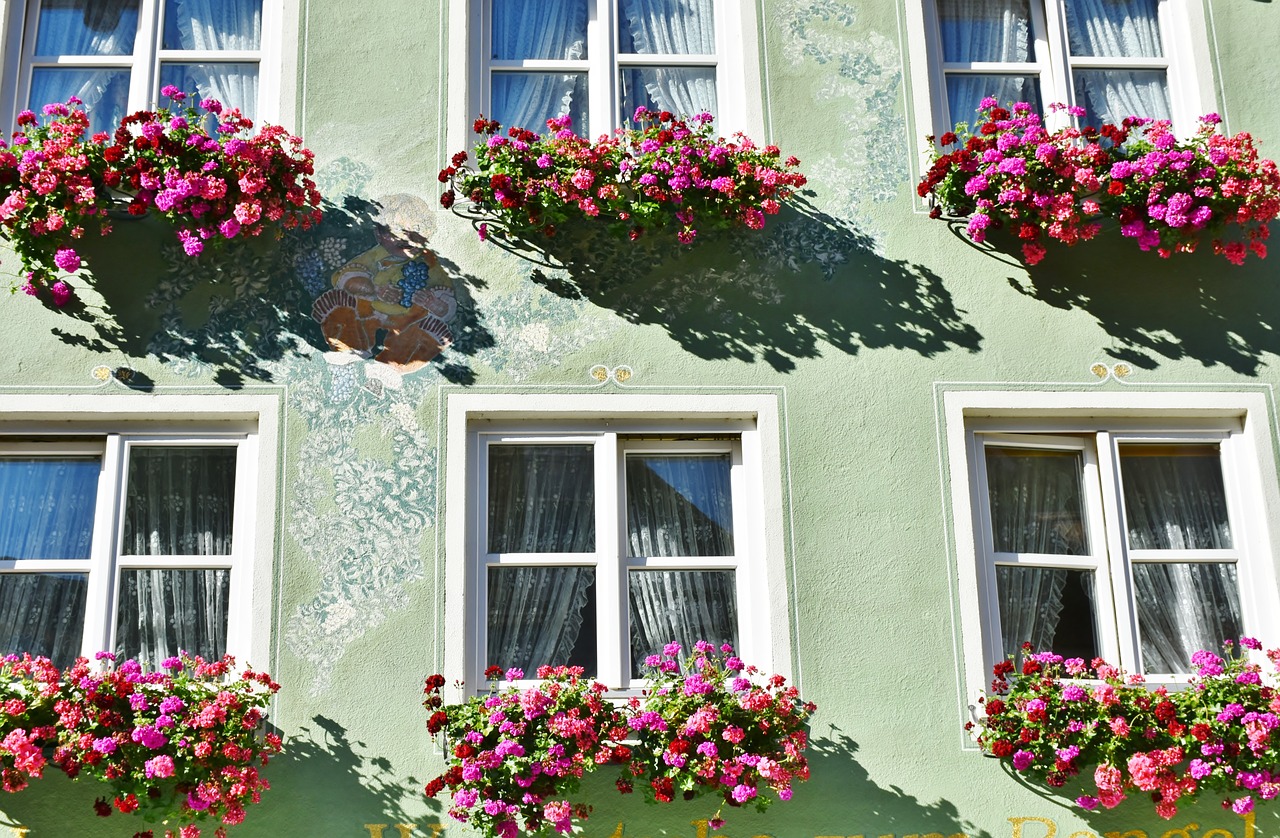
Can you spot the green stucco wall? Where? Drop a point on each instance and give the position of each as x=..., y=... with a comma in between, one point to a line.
x=855, y=311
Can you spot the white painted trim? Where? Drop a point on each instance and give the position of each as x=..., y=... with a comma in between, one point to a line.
x=251, y=421
x=754, y=417
x=1249, y=457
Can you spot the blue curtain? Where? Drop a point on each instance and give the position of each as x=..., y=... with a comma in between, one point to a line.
x=215, y=25
x=668, y=27
x=1117, y=29
x=85, y=28
x=538, y=29
x=986, y=30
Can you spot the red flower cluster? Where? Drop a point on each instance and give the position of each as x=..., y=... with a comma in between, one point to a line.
x=199, y=166
x=1164, y=193
x=517, y=755
x=1221, y=734
x=181, y=744
x=666, y=174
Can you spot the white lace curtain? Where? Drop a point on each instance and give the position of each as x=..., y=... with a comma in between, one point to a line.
x=1117, y=29
x=86, y=28
x=541, y=500
x=1173, y=500
x=215, y=25
x=985, y=30
x=669, y=27
x=538, y=29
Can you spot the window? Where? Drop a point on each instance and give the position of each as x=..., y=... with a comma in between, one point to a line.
x=598, y=60
x=139, y=539
x=1114, y=58
x=595, y=542
x=1141, y=544
x=116, y=55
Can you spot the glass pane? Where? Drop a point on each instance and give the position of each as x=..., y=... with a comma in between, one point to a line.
x=164, y=611
x=528, y=100
x=43, y=613
x=1052, y=608
x=180, y=501
x=965, y=91
x=985, y=30
x=539, y=29
x=1036, y=501
x=46, y=506
x=234, y=85
x=212, y=24
x=542, y=499
x=105, y=92
x=1111, y=95
x=1114, y=28
x=542, y=616
x=684, y=91
x=1183, y=608
x=667, y=27
x=86, y=27
x=679, y=505
x=1174, y=498
x=682, y=606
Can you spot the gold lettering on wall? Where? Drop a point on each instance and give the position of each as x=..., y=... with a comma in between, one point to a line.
x=1051, y=828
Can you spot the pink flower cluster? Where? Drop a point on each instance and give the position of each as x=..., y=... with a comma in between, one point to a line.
x=223, y=183
x=180, y=744
x=515, y=757
x=1217, y=736
x=667, y=174
x=1164, y=193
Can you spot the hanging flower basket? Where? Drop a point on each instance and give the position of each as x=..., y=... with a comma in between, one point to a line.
x=516, y=757
x=1220, y=737
x=668, y=175
x=198, y=165
x=1166, y=194
x=182, y=745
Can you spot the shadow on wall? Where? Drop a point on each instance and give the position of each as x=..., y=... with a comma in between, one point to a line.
x=322, y=785
x=808, y=279
x=364, y=284
x=1191, y=306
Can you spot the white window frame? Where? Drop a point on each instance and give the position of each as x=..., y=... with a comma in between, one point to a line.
x=608, y=421
x=1241, y=423
x=736, y=62
x=1186, y=60
x=109, y=426
x=17, y=43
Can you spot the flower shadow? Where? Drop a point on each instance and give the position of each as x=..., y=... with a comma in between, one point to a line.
x=1189, y=307
x=775, y=296
x=319, y=766
x=235, y=313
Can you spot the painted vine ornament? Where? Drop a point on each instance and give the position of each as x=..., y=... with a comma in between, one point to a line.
x=1166, y=194
x=667, y=174
x=1051, y=719
x=516, y=757
x=181, y=745
x=197, y=164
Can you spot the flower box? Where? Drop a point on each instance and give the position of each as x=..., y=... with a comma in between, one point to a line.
x=199, y=166
x=1164, y=193
x=667, y=175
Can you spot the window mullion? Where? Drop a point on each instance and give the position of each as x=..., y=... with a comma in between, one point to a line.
x=1052, y=51
x=602, y=45
x=100, y=605
x=612, y=632
x=1121, y=645
x=145, y=61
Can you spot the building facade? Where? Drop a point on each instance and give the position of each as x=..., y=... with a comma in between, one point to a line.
x=357, y=420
